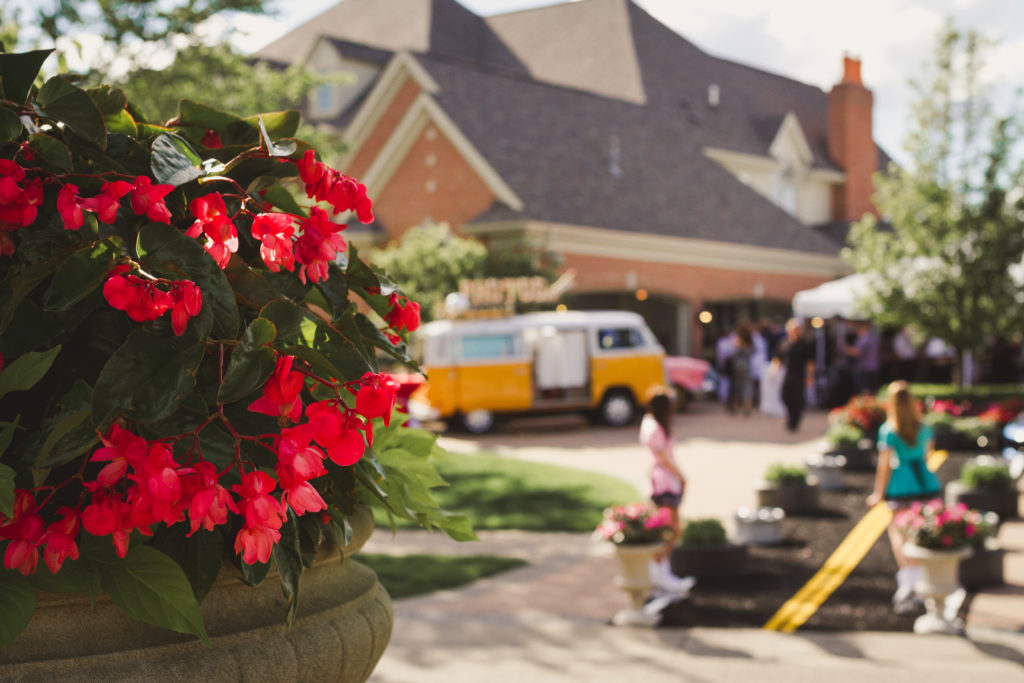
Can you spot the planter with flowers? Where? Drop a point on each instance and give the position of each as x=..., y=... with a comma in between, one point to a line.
x=852, y=430
x=190, y=393
x=704, y=552
x=637, y=531
x=938, y=538
x=986, y=484
x=787, y=487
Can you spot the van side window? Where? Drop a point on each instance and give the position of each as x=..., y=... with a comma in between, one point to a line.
x=619, y=338
x=488, y=346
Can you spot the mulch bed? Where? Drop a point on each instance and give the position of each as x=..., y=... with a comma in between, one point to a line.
x=776, y=573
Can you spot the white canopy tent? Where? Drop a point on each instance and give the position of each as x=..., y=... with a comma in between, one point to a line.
x=832, y=299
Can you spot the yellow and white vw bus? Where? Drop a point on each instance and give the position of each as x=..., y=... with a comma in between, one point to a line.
x=538, y=362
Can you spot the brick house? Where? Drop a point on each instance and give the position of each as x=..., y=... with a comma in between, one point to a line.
x=672, y=181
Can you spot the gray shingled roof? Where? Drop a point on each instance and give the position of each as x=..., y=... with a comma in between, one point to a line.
x=552, y=146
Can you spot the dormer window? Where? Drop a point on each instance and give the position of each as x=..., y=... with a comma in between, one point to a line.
x=785, y=189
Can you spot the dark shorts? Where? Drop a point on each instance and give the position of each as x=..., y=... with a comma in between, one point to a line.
x=668, y=500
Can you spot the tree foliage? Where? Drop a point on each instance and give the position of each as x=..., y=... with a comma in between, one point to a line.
x=948, y=258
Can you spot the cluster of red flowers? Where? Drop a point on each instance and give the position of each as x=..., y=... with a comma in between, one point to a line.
x=866, y=413
x=999, y=412
x=142, y=484
x=404, y=314
x=18, y=202
x=341, y=192
x=142, y=300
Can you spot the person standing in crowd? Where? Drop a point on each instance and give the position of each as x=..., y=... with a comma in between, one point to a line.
x=867, y=354
x=906, y=355
x=741, y=378
x=903, y=477
x=667, y=480
x=723, y=362
x=796, y=355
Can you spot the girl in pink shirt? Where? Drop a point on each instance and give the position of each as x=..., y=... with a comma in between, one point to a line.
x=667, y=481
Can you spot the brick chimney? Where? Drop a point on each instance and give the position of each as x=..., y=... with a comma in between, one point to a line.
x=850, y=143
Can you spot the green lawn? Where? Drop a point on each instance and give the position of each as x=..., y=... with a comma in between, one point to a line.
x=502, y=493
x=417, y=574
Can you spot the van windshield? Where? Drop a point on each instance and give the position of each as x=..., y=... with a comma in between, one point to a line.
x=619, y=338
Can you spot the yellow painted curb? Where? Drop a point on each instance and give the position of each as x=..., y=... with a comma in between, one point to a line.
x=798, y=609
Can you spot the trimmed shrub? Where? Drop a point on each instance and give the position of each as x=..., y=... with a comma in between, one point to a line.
x=987, y=477
x=701, y=533
x=786, y=475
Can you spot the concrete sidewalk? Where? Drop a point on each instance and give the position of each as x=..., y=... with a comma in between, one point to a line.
x=549, y=621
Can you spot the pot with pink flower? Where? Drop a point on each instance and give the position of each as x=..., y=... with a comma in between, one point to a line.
x=938, y=538
x=164, y=466
x=637, y=531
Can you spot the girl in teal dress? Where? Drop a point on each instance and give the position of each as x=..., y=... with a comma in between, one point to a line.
x=903, y=477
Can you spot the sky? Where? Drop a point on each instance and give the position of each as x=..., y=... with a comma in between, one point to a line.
x=801, y=39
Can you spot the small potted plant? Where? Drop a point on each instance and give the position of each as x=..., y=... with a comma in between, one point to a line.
x=985, y=566
x=704, y=552
x=788, y=487
x=985, y=484
x=637, y=531
x=938, y=538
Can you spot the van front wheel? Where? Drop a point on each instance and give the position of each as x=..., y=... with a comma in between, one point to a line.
x=618, y=408
x=478, y=421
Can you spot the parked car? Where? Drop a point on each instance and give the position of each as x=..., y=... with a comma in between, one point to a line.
x=690, y=377
x=601, y=361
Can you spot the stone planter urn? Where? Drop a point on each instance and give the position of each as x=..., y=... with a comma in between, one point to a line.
x=343, y=625
x=984, y=568
x=761, y=526
x=939, y=578
x=828, y=470
x=791, y=498
x=634, y=572
x=709, y=563
x=1003, y=502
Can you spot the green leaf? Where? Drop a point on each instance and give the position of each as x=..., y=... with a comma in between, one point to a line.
x=83, y=272
x=24, y=372
x=75, y=576
x=287, y=317
x=72, y=106
x=147, y=377
x=10, y=125
x=196, y=114
x=287, y=556
x=251, y=288
x=335, y=289
x=18, y=285
x=18, y=71
x=151, y=587
x=283, y=199
x=121, y=122
x=6, y=490
x=279, y=124
x=17, y=603
x=176, y=255
x=108, y=99
x=252, y=361
x=59, y=432
x=199, y=556
x=253, y=574
x=457, y=527
x=51, y=150
x=173, y=161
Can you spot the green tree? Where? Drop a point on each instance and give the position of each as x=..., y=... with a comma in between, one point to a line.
x=429, y=261
x=947, y=259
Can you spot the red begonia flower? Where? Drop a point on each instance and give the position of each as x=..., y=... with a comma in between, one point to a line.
x=211, y=139
x=60, y=539
x=18, y=203
x=342, y=192
x=69, y=206
x=298, y=462
x=212, y=219
x=376, y=396
x=403, y=316
x=338, y=432
x=318, y=245
x=140, y=299
x=281, y=392
x=25, y=531
x=209, y=502
x=148, y=199
x=274, y=231
x=108, y=201
x=263, y=516
x=121, y=448
x=188, y=302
